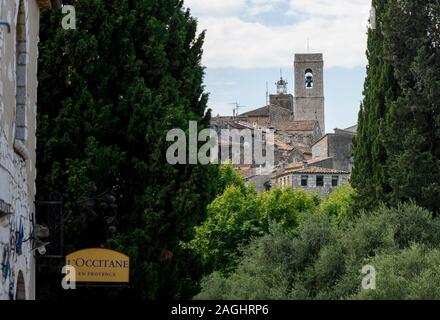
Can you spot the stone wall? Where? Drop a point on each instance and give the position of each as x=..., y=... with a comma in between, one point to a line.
x=302, y=137
x=282, y=100
x=310, y=108
x=259, y=182
x=280, y=117
x=312, y=187
x=320, y=148
x=322, y=163
x=261, y=121
x=340, y=148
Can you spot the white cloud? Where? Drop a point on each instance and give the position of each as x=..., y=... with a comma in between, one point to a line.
x=335, y=28
x=257, y=7
x=260, y=8
x=327, y=8
x=221, y=108
x=215, y=7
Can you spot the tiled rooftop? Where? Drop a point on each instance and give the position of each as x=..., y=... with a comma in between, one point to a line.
x=317, y=170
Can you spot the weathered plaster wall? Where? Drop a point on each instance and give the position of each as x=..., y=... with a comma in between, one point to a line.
x=320, y=148
x=17, y=152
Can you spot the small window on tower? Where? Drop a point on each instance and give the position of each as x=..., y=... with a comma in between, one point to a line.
x=309, y=79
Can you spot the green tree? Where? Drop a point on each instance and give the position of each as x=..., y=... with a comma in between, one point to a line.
x=413, y=123
x=323, y=260
x=109, y=91
x=380, y=89
x=339, y=204
x=236, y=217
x=233, y=219
x=397, y=150
x=411, y=274
x=228, y=177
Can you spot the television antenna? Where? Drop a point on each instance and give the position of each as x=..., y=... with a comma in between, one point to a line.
x=237, y=108
x=267, y=93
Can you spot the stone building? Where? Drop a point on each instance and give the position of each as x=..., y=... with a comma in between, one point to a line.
x=18, y=98
x=320, y=181
x=329, y=166
x=334, y=150
x=287, y=112
x=304, y=155
x=297, y=121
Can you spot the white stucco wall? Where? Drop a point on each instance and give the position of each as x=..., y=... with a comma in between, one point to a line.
x=17, y=172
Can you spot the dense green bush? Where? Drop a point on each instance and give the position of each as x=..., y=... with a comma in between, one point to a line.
x=413, y=273
x=239, y=215
x=260, y=275
x=324, y=259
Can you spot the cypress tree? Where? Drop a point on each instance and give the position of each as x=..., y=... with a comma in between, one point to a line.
x=397, y=150
x=109, y=91
x=380, y=89
x=413, y=123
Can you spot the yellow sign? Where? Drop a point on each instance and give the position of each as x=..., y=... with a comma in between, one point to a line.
x=99, y=265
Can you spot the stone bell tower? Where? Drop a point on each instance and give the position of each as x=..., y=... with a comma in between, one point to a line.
x=309, y=88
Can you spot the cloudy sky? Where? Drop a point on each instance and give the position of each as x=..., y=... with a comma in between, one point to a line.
x=248, y=41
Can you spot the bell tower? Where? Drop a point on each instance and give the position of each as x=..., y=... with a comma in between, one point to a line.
x=282, y=98
x=309, y=88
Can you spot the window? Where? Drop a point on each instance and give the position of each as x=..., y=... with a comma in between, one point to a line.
x=21, y=59
x=304, y=181
x=335, y=181
x=319, y=181
x=308, y=79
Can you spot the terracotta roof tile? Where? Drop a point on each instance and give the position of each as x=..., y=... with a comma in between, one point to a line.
x=316, y=170
x=260, y=112
x=283, y=146
x=318, y=160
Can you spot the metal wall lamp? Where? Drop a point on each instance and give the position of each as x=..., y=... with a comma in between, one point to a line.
x=38, y=234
